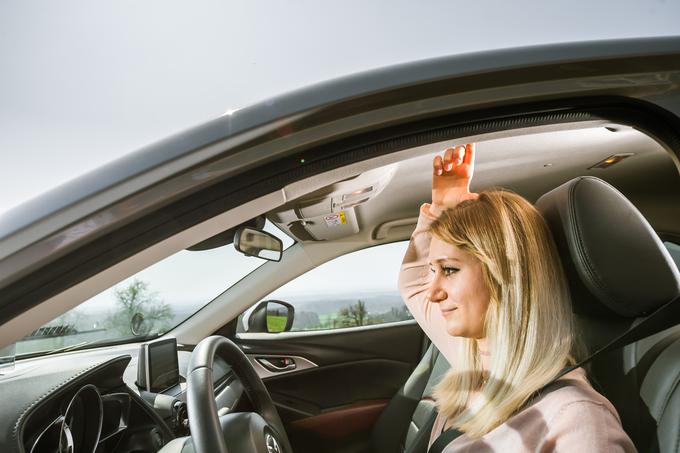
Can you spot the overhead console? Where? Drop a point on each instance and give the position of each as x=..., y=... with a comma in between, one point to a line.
x=331, y=212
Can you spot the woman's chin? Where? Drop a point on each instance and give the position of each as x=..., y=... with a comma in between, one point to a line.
x=455, y=329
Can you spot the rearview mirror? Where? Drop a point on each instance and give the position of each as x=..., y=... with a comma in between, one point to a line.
x=258, y=243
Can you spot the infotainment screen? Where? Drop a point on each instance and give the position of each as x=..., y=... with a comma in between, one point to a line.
x=159, y=358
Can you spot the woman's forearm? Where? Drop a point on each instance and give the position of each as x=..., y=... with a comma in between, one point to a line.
x=414, y=283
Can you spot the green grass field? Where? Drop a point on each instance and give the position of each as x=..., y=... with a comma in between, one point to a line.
x=276, y=323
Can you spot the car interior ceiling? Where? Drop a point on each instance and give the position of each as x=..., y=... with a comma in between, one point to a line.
x=527, y=163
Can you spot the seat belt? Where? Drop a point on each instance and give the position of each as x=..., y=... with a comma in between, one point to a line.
x=425, y=345
x=668, y=315
x=444, y=439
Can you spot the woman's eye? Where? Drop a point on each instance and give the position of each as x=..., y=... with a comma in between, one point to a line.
x=449, y=270
x=445, y=270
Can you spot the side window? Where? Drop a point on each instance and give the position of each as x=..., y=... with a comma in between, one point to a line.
x=353, y=290
x=674, y=250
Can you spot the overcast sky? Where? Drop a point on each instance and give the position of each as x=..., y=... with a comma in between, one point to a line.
x=85, y=82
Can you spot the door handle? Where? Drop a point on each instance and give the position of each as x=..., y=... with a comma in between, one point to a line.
x=277, y=364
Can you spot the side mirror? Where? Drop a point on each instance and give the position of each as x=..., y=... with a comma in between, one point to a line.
x=271, y=316
x=258, y=243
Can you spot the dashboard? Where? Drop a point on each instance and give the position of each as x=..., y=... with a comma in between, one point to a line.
x=90, y=401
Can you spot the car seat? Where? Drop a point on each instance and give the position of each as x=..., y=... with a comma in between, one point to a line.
x=619, y=273
x=403, y=425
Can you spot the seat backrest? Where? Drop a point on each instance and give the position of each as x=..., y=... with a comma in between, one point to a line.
x=619, y=272
x=399, y=428
x=638, y=380
x=661, y=396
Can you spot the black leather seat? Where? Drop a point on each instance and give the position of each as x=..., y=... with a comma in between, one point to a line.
x=619, y=272
x=399, y=428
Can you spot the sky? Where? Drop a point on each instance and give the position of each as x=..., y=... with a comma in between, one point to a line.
x=83, y=83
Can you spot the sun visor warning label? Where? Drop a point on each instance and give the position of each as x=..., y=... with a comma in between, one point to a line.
x=333, y=220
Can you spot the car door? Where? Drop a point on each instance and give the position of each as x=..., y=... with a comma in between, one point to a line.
x=350, y=348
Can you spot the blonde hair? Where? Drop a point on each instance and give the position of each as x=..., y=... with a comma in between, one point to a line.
x=528, y=325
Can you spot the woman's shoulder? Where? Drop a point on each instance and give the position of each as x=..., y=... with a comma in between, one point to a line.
x=569, y=415
x=577, y=417
x=573, y=394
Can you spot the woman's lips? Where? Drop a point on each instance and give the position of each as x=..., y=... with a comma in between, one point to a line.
x=447, y=310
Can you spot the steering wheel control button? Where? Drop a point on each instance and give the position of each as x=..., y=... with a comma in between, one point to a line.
x=272, y=444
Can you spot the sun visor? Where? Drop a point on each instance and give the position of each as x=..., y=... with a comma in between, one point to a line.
x=331, y=212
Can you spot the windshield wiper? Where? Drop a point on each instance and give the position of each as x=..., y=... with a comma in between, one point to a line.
x=69, y=348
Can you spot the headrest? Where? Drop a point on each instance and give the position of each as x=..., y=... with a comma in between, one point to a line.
x=612, y=257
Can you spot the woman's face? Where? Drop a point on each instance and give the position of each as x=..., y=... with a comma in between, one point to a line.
x=459, y=289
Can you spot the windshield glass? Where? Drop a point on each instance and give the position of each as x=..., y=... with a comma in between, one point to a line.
x=149, y=303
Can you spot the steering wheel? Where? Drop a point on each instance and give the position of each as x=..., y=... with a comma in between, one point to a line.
x=254, y=432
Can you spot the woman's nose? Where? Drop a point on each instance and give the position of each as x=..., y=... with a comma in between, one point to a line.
x=437, y=294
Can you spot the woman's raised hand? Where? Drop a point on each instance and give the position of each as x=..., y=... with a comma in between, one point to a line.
x=451, y=175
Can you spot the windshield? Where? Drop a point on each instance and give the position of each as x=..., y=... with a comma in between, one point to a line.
x=149, y=303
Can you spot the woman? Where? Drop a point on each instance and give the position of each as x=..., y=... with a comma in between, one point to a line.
x=483, y=279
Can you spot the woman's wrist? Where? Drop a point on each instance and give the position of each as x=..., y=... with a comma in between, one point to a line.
x=435, y=210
